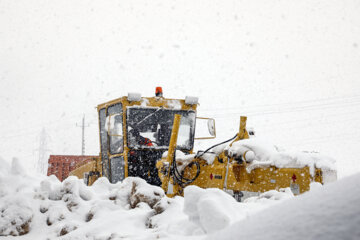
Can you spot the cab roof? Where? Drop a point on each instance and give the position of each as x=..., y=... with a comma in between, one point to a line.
x=168, y=103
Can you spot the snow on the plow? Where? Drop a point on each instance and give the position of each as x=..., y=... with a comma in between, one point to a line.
x=261, y=153
x=267, y=154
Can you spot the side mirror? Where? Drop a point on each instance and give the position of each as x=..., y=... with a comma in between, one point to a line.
x=211, y=127
x=205, y=127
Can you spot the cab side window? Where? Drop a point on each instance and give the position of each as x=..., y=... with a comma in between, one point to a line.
x=104, y=142
x=114, y=126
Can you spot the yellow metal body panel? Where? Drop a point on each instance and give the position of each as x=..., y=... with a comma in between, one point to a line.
x=79, y=171
x=227, y=173
x=172, y=149
x=149, y=102
x=90, y=170
x=238, y=179
x=267, y=178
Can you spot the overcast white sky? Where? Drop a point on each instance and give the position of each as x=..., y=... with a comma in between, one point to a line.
x=293, y=66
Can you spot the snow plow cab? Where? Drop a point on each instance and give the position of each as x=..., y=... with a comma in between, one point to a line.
x=135, y=131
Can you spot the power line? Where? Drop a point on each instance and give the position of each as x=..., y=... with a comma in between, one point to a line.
x=287, y=110
x=307, y=124
x=289, y=103
x=345, y=137
x=313, y=118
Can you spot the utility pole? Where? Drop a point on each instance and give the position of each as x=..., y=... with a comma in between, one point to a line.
x=82, y=135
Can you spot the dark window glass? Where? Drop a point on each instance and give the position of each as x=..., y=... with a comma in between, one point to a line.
x=103, y=143
x=151, y=128
x=117, y=169
x=114, y=109
x=114, y=127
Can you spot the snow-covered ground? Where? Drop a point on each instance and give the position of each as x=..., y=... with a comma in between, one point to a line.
x=329, y=212
x=39, y=207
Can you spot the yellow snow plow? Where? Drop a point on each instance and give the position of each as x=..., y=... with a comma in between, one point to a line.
x=153, y=138
x=234, y=169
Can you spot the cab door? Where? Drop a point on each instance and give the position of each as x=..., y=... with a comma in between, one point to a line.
x=112, y=142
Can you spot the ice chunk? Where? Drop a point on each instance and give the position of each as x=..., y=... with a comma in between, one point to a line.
x=134, y=97
x=191, y=100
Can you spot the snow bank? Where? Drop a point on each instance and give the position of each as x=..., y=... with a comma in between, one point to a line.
x=39, y=207
x=268, y=155
x=43, y=207
x=213, y=209
x=329, y=212
x=35, y=207
x=282, y=194
x=4, y=166
x=16, y=208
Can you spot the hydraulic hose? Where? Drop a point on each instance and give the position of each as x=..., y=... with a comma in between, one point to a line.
x=179, y=178
x=203, y=152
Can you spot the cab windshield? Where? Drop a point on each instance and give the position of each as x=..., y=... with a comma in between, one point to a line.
x=151, y=128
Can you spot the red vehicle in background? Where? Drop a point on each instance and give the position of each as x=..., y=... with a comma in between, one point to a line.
x=62, y=165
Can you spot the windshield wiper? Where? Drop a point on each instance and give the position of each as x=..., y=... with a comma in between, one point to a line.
x=147, y=117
